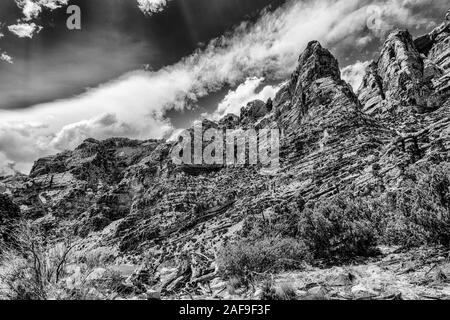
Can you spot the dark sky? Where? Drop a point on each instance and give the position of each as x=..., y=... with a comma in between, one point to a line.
x=116, y=37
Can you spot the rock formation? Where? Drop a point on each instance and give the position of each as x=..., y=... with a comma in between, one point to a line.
x=334, y=140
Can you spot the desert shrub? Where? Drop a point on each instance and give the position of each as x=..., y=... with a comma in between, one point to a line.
x=344, y=227
x=333, y=229
x=244, y=258
x=280, y=222
x=33, y=270
x=29, y=270
x=419, y=213
x=92, y=284
x=415, y=214
x=338, y=229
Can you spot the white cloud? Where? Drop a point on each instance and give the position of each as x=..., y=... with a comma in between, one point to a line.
x=24, y=30
x=131, y=106
x=244, y=93
x=6, y=167
x=103, y=126
x=53, y=4
x=364, y=41
x=354, y=74
x=5, y=57
x=134, y=104
x=31, y=9
x=22, y=142
x=152, y=6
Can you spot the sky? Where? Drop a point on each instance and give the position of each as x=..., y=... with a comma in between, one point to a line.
x=148, y=68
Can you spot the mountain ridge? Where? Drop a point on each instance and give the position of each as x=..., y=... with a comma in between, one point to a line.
x=127, y=198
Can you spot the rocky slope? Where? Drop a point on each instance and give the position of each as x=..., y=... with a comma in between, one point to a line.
x=127, y=200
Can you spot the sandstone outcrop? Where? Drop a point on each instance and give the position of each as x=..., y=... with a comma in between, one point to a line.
x=333, y=141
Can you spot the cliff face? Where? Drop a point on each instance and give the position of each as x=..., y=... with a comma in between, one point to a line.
x=128, y=196
x=408, y=75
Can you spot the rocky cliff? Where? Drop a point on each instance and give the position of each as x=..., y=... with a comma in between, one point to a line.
x=128, y=199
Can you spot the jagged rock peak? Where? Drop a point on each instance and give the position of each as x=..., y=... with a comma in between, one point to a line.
x=396, y=81
x=253, y=111
x=230, y=121
x=440, y=50
x=426, y=42
x=315, y=63
x=314, y=89
x=371, y=93
x=409, y=74
x=400, y=65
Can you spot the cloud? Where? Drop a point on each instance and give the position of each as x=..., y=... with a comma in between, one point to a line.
x=354, y=74
x=134, y=105
x=131, y=106
x=24, y=30
x=244, y=93
x=6, y=167
x=5, y=57
x=22, y=142
x=103, y=126
x=364, y=41
x=31, y=9
x=152, y=6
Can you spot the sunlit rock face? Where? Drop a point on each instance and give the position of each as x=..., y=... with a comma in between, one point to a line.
x=435, y=45
x=396, y=82
x=401, y=69
x=253, y=111
x=131, y=196
x=371, y=94
x=230, y=121
x=409, y=74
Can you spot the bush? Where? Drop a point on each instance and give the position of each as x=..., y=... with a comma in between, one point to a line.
x=30, y=271
x=33, y=271
x=345, y=227
x=338, y=229
x=281, y=220
x=246, y=257
x=419, y=213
